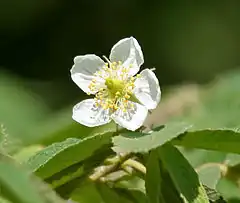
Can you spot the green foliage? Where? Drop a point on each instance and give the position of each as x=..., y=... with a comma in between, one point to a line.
x=153, y=179
x=109, y=195
x=59, y=156
x=85, y=192
x=226, y=140
x=20, y=110
x=16, y=185
x=140, y=142
x=228, y=190
x=182, y=174
x=193, y=158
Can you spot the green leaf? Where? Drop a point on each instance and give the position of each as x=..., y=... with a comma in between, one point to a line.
x=16, y=185
x=134, y=186
x=209, y=176
x=182, y=174
x=226, y=140
x=228, y=189
x=153, y=178
x=198, y=157
x=168, y=189
x=59, y=156
x=206, y=163
x=132, y=183
x=145, y=142
x=110, y=195
x=159, y=185
x=86, y=192
x=138, y=196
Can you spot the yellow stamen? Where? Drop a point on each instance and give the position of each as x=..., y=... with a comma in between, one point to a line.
x=118, y=87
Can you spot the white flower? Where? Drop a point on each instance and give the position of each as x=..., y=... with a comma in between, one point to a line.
x=119, y=96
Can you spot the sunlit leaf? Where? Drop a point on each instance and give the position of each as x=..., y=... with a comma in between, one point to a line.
x=226, y=140
x=86, y=192
x=182, y=174
x=228, y=189
x=109, y=195
x=16, y=185
x=153, y=179
x=139, y=142
x=59, y=156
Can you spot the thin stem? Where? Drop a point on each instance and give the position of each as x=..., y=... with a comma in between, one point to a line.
x=104, y=170
x=136, y=165
x=114, y=176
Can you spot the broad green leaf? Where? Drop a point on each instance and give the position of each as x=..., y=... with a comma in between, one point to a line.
x=153, y=178
x=132, y=183
x=182, y=174
x=59, y=156
x=206, y=163
x=168, y=189
x=209, y=176
x=199, y=157
x=226, y=140
x=139, y=142
x=65, y=180
x=86, y=192
x=138, y=197
x=135, y=187
x=16, y=185
x=110, y=195
x=228, y=189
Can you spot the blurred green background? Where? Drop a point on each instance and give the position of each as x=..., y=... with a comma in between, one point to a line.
x=186, y=41
x=194, y=46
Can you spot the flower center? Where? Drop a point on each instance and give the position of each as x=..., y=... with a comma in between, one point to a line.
x=114, y=85
x=117, y=91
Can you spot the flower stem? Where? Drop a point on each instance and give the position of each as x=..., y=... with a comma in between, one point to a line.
x=104, y=170
x=136, y=165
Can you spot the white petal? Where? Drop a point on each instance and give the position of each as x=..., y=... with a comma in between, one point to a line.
x=86, y=113
x=129, y=52
x=133, y=118
x=147, y=89
x=83, y=69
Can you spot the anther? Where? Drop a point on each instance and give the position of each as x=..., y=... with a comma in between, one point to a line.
x=127, y=96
